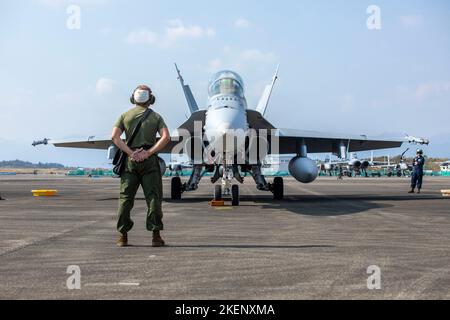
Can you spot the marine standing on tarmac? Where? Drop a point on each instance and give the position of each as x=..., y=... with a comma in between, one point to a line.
x=142, y=165
x=417, y=175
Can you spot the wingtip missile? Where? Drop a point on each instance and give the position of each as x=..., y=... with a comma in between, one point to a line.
x=40, y=142
x=178, y=71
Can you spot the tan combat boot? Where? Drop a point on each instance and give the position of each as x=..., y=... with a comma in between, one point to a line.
x=157, y=240
x=123, y=240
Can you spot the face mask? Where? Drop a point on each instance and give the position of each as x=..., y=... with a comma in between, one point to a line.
x=141, y=96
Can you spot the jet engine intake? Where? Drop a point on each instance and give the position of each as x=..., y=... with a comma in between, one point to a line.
x=355, y=164
x=365, y=164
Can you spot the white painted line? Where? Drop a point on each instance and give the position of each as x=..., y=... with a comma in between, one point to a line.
x=129, y=284
x=113, y=284
x=100, y=284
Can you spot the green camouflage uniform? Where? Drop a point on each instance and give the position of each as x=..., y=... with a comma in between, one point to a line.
x=147, y=173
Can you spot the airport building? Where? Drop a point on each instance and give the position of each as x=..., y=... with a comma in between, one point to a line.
x=276, y=165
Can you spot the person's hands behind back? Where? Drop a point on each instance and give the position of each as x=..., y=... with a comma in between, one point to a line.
x=140, y=155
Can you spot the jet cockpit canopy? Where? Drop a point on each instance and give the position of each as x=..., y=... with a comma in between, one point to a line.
x=226, y=82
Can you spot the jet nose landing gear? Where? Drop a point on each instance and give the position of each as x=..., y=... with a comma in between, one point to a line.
x=226, y=188
x=219, y=194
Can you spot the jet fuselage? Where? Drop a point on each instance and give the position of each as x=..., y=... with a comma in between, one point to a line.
x=226, y=125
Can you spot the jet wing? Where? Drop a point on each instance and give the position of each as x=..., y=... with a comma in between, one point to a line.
x=98, y=143
x=319, y=142
x=104, y=144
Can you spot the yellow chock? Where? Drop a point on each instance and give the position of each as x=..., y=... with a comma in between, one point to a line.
x=217, y=203
x=446, y=193
x=44, y=193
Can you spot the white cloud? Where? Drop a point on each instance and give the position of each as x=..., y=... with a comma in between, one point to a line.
x=429, y=89
x=241, y=59
x=242, y=23
x=257, y=55
x=104, y=86
x=411, y=21
x=59, y=3
x=143, y=37
x=174, y=31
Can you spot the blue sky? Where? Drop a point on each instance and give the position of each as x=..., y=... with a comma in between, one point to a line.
x=336, y=74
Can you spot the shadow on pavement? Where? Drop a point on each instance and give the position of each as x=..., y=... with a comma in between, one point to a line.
x=313, y=205
x=237, y=246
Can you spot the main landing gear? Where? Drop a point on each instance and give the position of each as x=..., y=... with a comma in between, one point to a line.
x=176, y=188
x=277, y=187
x=226, y=189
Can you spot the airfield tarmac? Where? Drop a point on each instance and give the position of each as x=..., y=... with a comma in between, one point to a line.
x=316, y=244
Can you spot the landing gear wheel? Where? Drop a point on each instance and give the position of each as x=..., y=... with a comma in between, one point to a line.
x=235, y=195
x=278, y=188
x=176, y=188
x=217, y=193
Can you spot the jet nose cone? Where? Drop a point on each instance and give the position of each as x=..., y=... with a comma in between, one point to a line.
x=224, y=128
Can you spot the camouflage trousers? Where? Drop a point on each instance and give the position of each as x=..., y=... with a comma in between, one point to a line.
x=148, y=175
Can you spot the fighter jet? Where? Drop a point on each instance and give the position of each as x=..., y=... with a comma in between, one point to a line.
x=350, y=166
x=400, y=169
x=222, y=139
x=416, y=140
x=176, y=168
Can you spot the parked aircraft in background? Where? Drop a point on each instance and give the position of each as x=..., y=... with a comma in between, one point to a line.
x=416, y=140
x=348, y=167
x=176, y=168
x=399, y=169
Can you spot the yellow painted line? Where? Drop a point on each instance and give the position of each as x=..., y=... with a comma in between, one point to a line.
x=44, y=193
x=223, y=208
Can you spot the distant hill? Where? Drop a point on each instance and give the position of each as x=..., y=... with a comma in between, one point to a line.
x=18, y=164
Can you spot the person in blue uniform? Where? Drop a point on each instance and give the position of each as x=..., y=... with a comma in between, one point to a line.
x=417, y=174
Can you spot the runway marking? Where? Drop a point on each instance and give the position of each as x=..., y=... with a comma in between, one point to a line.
x=113, y=284
x=223, y=208
x=129, y=284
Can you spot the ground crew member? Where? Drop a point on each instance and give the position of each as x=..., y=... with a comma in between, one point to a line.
x=142, y=165
x=417, y=174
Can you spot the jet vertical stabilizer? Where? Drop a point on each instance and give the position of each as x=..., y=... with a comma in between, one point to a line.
x=264, y=101
x=193, y=106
